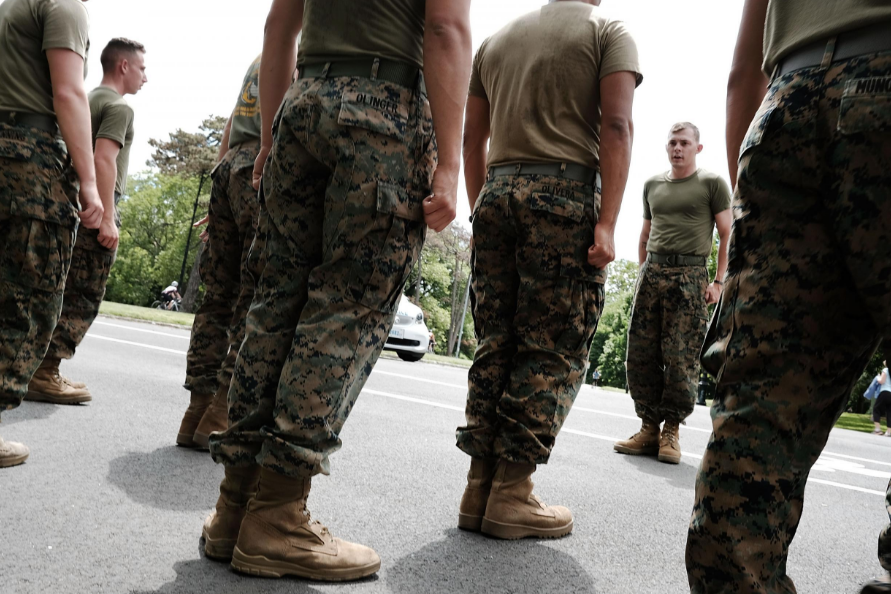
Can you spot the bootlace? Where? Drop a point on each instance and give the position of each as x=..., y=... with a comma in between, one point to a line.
x=669, y=435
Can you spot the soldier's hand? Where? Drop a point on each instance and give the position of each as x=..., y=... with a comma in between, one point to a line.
x=604, y=249
x=441, y=206
x=258, y=166
x=108, y=234
x=204, y=235
x=91, y=206
x=713, y=293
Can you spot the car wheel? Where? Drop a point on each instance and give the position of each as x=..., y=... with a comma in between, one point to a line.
x=409, y=356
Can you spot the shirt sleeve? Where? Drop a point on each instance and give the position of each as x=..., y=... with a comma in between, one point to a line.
x=116, y=120
x=720, y=198
x=619, y=51
x=476, y=81
x=648, y=215
x=66, y=25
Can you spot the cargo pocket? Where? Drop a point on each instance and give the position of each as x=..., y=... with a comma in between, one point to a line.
x=575, y=307
x=388, y=250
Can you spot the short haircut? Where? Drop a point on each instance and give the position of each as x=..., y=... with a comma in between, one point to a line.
x=685, y=126
x=116, y=50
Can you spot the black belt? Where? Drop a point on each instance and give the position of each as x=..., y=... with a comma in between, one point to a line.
x=866, y=40
x=676, y=259
x=23, y=119
x=573, y=171
x=400, y=73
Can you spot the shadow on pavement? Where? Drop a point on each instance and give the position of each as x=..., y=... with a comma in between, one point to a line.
x=202, y=575
x=468, y=562
x=29, y=411
x=681, y=475
x=171, y=478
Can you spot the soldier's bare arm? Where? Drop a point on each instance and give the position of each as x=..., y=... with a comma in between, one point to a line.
x=224, y=141
x=73, y=113
x=747, y=85
x=476, y=139
x=642, y=244
x=616, y=136
x=106, y=173
x=447, y=55
x=283, y=25
x=723, y=221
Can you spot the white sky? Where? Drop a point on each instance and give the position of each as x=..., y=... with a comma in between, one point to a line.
x=198, y=51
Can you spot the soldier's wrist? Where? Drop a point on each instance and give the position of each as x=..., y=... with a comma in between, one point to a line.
x=718, y=282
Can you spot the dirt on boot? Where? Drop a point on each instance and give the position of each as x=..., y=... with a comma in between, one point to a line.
x=513, y=511
x=198, y=404
x=279, y=538
x=476, y=494
x=643, y=443
x=220, y=531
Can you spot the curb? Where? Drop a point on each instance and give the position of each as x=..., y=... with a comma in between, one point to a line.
x=164, y=324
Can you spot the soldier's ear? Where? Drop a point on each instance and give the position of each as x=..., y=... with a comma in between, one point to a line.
x=698, y=149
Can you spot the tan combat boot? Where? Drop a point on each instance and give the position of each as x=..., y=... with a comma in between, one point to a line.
x=476, y=494
x=643, y=443
x=198, y=404
x=48, y=386
x=278, y=537
x=669, y=446
x=513, y=511
x=12, y=453
x=216, y=418
x=221, y=527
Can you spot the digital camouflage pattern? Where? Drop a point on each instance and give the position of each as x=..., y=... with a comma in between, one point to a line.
x=669, y=319
x=352, y=161
x=219, y=323
x=804, y=307
x=84, y=289
x=38, y=219
x=885, y=536
x=536, y=304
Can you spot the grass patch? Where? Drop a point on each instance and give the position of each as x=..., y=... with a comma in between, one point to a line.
x=856, y=422
x=135, y=312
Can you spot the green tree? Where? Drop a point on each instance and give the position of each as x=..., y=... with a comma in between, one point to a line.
x=622, y=279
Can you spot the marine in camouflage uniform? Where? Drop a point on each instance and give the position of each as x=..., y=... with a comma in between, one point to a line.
x=38, y=189
x=537, y=297
x=806, y=298
x=112, y=128
x=219, y=323
x=346, y=191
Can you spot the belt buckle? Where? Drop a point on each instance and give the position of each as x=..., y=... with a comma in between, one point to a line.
x=672, y=260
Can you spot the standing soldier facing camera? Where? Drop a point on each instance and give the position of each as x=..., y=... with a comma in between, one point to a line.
x=669, y=316
x=554, y=89
x=43, y=56
x=123, y=73
x=350, y=183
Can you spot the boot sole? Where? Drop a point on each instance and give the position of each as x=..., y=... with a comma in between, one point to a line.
x=470, y=523
x=219, y=549
x=262, y=567
x=631, y=452
x=669, y=459
x=184, y=440
x=41, y=397
x=7, y=462
x=517, y=531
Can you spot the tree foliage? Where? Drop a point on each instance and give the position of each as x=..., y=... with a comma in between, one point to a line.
x=189, y=154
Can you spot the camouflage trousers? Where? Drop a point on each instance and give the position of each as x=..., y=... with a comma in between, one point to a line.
x=219, y=323
x=84, y=289
x=351, y=163
x=536, y=305
x=38, y=220
x=669, y=319
x=804, y=307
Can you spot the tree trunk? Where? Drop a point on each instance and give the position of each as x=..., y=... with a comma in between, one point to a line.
x=194, y=283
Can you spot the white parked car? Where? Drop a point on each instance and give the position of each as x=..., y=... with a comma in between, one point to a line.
x=409, y=336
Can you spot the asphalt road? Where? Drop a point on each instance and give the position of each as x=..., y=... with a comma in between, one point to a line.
x=107, y=503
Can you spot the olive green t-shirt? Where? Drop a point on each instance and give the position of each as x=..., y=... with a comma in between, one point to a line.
x=792, y=24
x=683, y=212
x=338, y=29
x=246, y=122
x=112, y=118
x=27, y=29
x=541, y=75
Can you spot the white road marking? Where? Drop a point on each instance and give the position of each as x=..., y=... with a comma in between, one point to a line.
x=823, y=464
x=181, y=337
